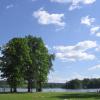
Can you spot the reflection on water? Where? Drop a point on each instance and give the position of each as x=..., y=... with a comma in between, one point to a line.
x=52, y=90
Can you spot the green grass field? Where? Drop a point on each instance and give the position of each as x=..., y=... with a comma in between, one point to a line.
x=50, y=96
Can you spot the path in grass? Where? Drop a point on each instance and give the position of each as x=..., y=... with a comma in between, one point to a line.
x=51, y=96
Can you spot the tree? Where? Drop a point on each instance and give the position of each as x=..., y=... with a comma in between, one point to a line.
x=85, y=83
x=15, y=57
x=74, y=84
x=26, y=59
x=30, y=68
x=41, y=62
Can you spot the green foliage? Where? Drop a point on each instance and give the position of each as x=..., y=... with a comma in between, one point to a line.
x=26, y=59
x=15, y=55
x=74, y=84
x=41, y=61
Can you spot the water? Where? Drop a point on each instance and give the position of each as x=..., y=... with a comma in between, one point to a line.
x=52, y=90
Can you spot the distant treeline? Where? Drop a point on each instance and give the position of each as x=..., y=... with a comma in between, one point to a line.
x=3, y=84
x=83, y=84
x=54, y=85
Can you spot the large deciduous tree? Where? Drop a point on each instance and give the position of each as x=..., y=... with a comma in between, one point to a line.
x=15, y=57
x=30, y=68
x=41, y=62
x=26, y=59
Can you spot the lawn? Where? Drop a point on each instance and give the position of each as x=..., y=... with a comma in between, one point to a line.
x=50, y=96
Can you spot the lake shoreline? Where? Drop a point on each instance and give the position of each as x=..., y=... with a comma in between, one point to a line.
x=24, y=90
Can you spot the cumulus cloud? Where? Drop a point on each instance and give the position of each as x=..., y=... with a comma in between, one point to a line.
x=74, y=4
x=76, y=52
x=90, y=21
x=98, y=34
x=78, y=3
x=87, y=20
x=95, y=30
x=9, y=6
x=94, y=67
x=45, y=18
x=98, y=48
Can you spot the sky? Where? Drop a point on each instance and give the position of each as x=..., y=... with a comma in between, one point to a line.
x=69, y=28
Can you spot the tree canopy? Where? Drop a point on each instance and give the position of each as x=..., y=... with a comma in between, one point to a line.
x=26, y=59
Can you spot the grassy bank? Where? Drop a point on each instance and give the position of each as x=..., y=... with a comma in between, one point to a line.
x=51, y=96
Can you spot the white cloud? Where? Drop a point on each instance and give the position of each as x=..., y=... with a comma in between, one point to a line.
x=76, y=52
x=9, y=6
x=87, y=20
x=98, y=34
x=95, y=29
x=98, y=48
x=46, y=18
x=88, y=1
x=94, y=67
x=75, y=3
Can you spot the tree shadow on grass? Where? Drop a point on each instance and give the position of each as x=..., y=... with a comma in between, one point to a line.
x=79, y=95
x=16, y=92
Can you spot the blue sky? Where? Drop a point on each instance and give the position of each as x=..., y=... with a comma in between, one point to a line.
x=69, y=28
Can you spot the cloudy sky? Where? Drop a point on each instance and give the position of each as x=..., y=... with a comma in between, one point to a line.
x=69, y=28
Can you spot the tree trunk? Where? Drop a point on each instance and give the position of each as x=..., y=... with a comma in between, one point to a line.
x=39, y=87
x=29, y=86
x=11, y=89
x=39, y=90
x=29, y=89
x=15, y=89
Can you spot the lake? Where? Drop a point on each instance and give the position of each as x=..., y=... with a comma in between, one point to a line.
x=52, y=90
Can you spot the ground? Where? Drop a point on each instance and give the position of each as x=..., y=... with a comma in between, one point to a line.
x=50, y=96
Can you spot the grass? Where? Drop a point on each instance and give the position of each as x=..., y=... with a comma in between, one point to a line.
x=50, y=96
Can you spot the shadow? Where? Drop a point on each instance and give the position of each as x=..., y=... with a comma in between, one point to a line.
x=79, y=95
x=16, y=92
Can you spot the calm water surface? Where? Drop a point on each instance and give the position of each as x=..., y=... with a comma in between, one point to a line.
x=52, y=90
